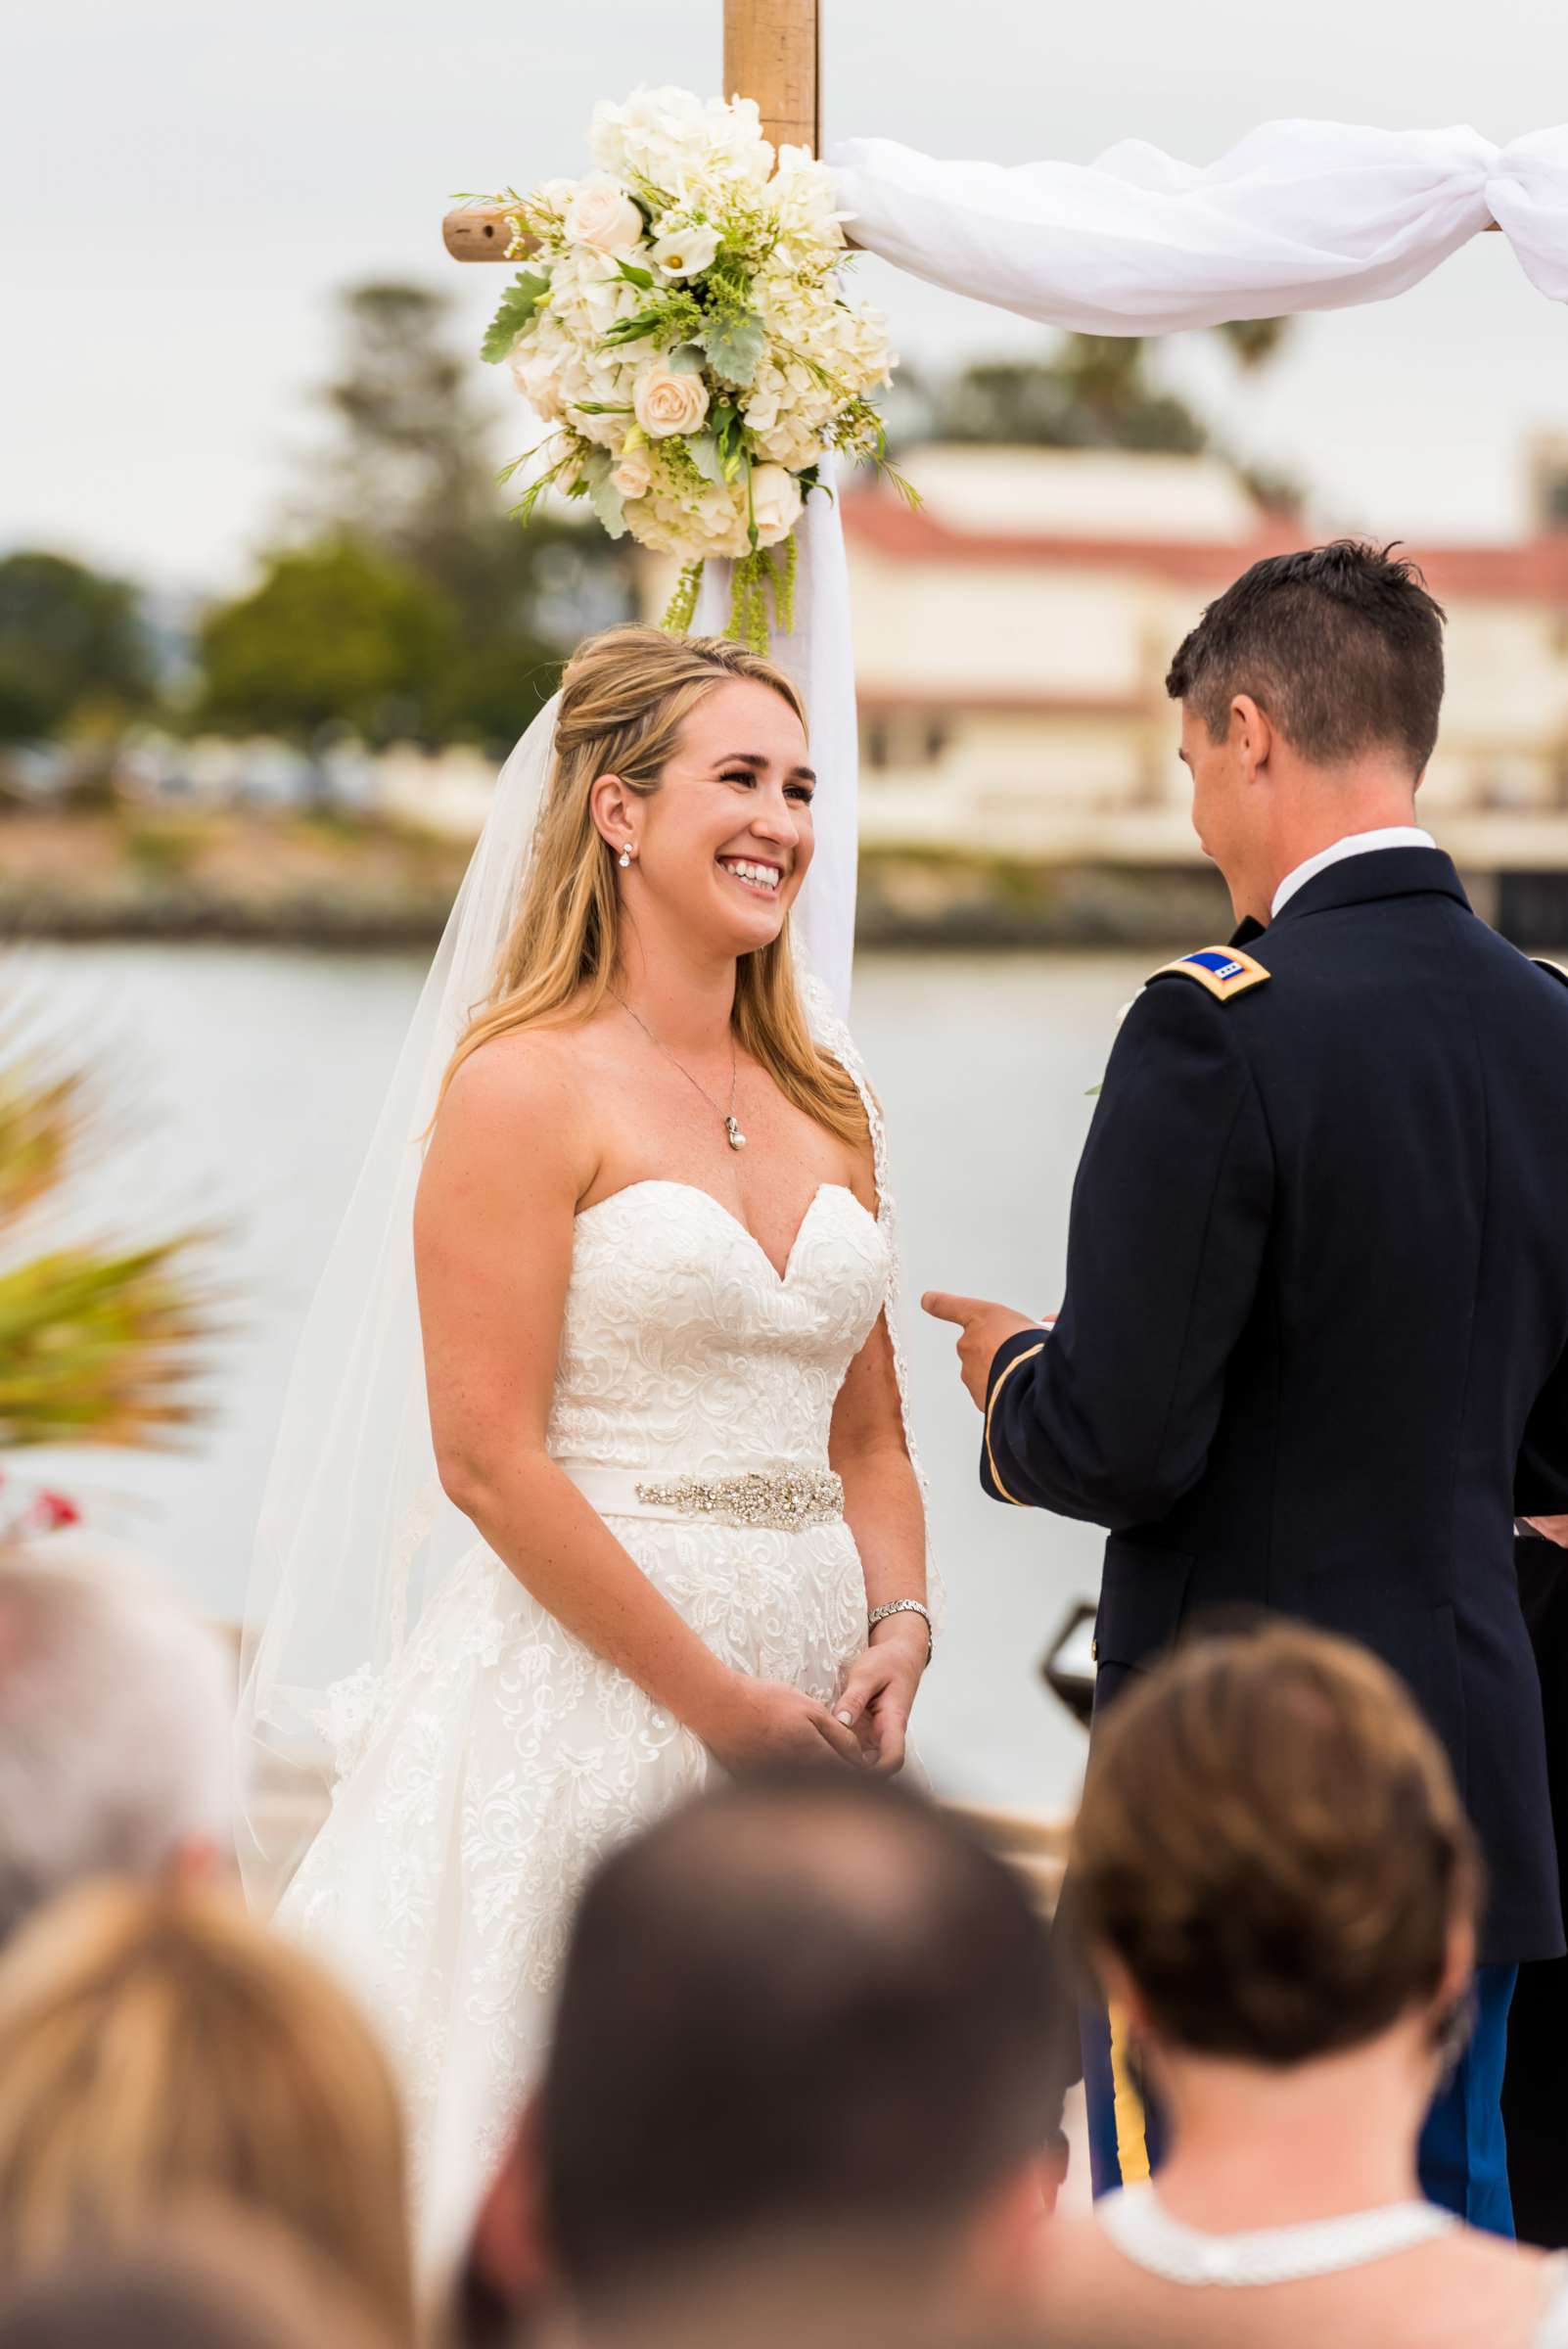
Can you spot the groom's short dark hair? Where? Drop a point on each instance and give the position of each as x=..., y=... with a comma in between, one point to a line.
x=1340, y=645
x=805, y=2002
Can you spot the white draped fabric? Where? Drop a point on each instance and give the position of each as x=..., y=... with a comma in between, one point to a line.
x=1297, y=216
x=820, y=659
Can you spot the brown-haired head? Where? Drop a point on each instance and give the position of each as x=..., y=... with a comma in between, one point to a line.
x=625, y=696
x=1340, y=645
x=158, y=2047
x=1271, y=1848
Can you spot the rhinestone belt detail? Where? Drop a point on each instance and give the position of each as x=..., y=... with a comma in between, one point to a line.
x=780, y=1499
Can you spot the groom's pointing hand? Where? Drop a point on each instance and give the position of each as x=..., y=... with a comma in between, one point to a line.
x=982, y=1328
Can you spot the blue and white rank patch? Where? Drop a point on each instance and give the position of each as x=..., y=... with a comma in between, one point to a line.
x=1225, y=971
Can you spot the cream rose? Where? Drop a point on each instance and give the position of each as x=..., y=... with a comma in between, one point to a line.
x=776, y=502
x=665, y=403
x=603, y=215
x=685, y=251
x=634, y=475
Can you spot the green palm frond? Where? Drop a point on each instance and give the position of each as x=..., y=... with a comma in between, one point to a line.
x=101, y=1343
x=39, y=1125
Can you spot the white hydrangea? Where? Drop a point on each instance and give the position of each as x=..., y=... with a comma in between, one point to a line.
x=705, y=172
x=672, y=139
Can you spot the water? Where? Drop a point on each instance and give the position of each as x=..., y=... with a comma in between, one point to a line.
x=252, y=1076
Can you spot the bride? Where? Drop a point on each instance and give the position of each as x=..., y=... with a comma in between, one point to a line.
x=661, y=1396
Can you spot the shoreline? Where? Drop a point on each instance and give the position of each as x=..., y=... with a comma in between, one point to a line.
x=324, y=881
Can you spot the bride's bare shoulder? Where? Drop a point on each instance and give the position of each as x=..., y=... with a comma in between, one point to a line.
x=519, y=1073
x=517, y=1114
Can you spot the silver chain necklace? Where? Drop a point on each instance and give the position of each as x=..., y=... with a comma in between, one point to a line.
x=732, y=1132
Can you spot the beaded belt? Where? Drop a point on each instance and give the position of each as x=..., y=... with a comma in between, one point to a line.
x=776, y=1499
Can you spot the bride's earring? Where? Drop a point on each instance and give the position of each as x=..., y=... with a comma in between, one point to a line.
x=626, y=856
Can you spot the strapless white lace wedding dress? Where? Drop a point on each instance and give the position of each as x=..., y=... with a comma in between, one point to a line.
x=485, y=1771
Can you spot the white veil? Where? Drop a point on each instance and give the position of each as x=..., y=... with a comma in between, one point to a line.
x=355, y=1531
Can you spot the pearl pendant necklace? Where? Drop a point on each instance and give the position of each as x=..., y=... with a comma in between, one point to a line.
x=732, y=1132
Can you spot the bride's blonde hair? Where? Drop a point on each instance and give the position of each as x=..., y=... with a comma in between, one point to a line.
x=624, y=697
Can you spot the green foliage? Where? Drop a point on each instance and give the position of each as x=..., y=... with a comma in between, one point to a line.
x=1094, y=392
x=681, y=608
x=1253, y=341
x=734, y=346
x=163, y=847
x=1094, y=395
x=676, y=317
x=518, y=302
x=493, y=688
x=99, y=1344
x=338, y=630
x=69, y=638
x=766, y=571
x=603, y=495
x=409, y=463
x=412, y=475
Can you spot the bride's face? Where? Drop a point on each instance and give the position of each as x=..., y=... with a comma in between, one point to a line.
x=723, y=844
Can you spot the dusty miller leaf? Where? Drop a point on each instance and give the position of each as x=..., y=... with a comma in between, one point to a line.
x=702, y=450
x=603, y=495
x=733, y=346
x=517, y=305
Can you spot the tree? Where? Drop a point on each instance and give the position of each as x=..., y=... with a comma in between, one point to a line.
x=410, y=465
x=69, y=637
x=1093, y=393
x=334, y=631
x=411, y=469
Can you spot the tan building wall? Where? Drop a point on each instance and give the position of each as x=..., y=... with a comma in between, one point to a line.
x=1013, y=640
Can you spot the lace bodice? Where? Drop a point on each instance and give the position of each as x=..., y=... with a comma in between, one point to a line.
x=682, y=1347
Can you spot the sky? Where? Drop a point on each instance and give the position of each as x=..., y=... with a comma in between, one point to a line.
x=185, y=183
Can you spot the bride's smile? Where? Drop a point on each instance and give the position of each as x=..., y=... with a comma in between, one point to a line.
x=721, y=848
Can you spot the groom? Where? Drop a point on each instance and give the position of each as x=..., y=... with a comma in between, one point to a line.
x=1311, y=1351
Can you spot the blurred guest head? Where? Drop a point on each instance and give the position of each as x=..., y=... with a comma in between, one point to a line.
x=115, y=1717
x=155, y=2045
x=803, y=2005
x=217, y=2282
x=1279, y=1888
x=1310, y=696
x=1271, y=1860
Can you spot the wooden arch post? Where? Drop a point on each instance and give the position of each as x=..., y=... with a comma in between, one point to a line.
x=773, y=53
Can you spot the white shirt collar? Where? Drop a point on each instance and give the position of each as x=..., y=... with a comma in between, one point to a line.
x=1354, y=844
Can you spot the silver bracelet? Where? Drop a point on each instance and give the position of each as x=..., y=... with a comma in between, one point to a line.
x=904, y=1606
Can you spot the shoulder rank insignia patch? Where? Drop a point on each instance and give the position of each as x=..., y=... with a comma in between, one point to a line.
x=1225, y=971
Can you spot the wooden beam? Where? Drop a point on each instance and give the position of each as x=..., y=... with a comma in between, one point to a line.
x=773, y=53
x=476, y=233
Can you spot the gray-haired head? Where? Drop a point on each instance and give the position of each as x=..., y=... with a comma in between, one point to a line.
x=114, y=1712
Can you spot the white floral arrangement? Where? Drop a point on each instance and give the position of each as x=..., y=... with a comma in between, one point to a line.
x=681, y=326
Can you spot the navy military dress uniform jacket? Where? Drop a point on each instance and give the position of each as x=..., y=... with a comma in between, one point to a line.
x=1313, y=1354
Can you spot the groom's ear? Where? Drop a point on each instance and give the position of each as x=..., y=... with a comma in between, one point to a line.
x=1252, y=735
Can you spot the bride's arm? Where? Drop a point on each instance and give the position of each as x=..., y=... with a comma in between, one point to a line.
x=507, y=1163
x=887, y=1517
